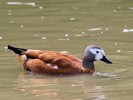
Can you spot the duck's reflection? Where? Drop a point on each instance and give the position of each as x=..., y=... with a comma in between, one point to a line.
x=78, y=87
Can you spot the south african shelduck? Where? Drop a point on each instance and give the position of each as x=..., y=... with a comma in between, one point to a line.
x=53, y=62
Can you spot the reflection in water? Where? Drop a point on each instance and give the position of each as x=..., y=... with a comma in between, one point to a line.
x=127, y=30
x=106, y=75
x=94, y=29
x=21, y=3
x=61, y=86
x=1, y=37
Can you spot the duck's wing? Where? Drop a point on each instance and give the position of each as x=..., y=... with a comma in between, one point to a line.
x=62, y=60
x=39, y=66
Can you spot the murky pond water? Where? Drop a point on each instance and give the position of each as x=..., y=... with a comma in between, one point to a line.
x=67, y=25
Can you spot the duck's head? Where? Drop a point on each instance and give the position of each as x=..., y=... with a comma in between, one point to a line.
x=94, y=53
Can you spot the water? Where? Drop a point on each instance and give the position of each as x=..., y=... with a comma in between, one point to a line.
x=68, y=26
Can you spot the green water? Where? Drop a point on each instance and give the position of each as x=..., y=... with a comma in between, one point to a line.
x=67, y=25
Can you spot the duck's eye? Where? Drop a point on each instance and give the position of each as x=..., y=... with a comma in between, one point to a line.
x=97, y=51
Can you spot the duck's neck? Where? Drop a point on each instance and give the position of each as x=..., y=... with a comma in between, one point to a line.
x=87, y=63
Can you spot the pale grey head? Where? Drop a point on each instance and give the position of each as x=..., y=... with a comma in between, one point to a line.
x=93, y=53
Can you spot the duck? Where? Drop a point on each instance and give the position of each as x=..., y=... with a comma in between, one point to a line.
x=54, y=62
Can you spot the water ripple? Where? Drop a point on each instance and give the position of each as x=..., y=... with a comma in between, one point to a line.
x=1, y=37
x=127, y=30
x=104, y=74
x=21, y=3
x=94, y=29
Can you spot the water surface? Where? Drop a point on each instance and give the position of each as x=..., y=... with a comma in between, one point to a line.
x=67, y=25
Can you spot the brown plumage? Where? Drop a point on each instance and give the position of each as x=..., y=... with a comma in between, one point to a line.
x=52, y=62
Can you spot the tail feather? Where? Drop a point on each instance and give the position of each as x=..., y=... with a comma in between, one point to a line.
x=16, y=50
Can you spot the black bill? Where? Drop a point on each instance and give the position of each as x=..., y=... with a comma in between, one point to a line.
x=104, y=59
